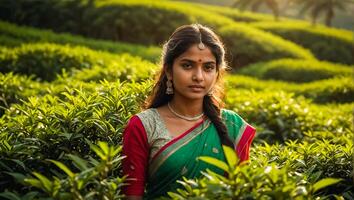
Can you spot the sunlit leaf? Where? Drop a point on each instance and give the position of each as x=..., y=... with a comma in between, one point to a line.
x=63, y=167
x=230, y=155
x=325, y=183
x=215, y=162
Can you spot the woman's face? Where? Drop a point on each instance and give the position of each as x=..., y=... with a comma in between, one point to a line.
x=194, y=73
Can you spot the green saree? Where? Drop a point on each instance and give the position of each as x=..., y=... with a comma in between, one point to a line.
x=178, y=157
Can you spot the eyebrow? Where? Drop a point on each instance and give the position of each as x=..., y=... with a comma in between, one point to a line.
x=192, y=61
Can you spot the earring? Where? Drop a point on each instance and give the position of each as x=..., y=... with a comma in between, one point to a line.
x=169, y=89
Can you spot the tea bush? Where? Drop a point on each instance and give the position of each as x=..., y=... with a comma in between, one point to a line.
x=246, y=46
x=267, y=181
x=92, y=179
x=124, y=67
x=338, y=90
x=13, y=35
x=296, y=70
x=112, y=21
x=59, y=123
x=316, y=159
x=14, y=88
x=333, y=45
x=281, y=117
x=238, y=37
x=107, y=19
x=235, y=14
x=334, y=90
x=54, y=125
x=45, y=61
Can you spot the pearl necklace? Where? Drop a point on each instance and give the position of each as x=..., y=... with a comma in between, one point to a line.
x=184, y=117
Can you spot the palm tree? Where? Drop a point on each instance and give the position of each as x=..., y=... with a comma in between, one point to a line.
x=326, y=7
x=273, y=5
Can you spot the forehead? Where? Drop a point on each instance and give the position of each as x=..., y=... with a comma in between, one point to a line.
x=197, y=55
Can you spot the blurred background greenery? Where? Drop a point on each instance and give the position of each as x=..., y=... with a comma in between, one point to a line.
x=342, y=16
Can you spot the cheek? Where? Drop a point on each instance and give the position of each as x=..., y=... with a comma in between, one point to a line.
x=212, y=78
x=178, y=77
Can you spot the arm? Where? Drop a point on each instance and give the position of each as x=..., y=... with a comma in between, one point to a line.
x=136, y=150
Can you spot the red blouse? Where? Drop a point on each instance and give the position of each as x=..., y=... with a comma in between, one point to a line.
x=136, y=150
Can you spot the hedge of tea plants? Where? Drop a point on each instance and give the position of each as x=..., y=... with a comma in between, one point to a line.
x=46, y=61
x=56, y=125
x=13, y=88
x=12, y=35
x=333, y=90
x=47, y=141
x=141, y=22
x=281, y=116
x=328, y=44
x=300, y=71
x=235, y=14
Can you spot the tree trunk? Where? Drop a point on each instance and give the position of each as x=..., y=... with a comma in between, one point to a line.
x=329, y=17
x=314, y=15
x=274, y=6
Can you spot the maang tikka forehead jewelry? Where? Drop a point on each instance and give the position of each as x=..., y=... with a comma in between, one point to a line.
x=201, y=45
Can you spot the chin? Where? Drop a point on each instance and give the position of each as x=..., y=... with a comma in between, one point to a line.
x=195, y=96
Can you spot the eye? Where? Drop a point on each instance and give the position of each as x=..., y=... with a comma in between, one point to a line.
x=186, y=65
x=209, y=67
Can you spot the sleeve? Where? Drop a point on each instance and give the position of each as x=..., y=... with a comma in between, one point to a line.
x=243, y=146
x=136, y=150
x=241, y=132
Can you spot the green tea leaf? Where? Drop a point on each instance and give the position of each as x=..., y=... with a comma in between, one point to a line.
x=230, y=155
x=215, y=162
x=64, y=168
x=325, y=183
x=10, y=195
x=34, y=182
x=46, y=183
x=80, y=163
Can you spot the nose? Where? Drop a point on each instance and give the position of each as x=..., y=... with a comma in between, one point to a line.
x=198, y=74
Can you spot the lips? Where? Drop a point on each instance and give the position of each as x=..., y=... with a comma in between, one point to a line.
x=196, y=86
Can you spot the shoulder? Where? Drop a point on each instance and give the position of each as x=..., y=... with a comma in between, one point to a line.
x=233, y=121
x=148, y=117
x=229, y=115
x=150, y=121
x=237, y=126
x=140, y=118
x=146, y=113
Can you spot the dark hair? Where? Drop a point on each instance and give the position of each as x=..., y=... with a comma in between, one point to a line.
x=181, y=39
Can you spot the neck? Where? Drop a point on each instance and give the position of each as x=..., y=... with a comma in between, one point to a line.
x=187, y=107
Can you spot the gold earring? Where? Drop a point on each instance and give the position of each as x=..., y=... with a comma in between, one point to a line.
x=169, y=89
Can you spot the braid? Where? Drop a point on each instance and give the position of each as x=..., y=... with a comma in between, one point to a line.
x=212, y=111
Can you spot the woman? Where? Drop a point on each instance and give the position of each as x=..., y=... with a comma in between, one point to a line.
x=183, y=119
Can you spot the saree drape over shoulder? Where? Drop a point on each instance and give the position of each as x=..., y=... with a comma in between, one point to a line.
x=155, y=160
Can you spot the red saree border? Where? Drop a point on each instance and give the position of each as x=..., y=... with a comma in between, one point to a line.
x=174, y=140
x=246, y=137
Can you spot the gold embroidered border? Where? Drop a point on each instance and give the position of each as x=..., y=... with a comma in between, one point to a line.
x=159, y=162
